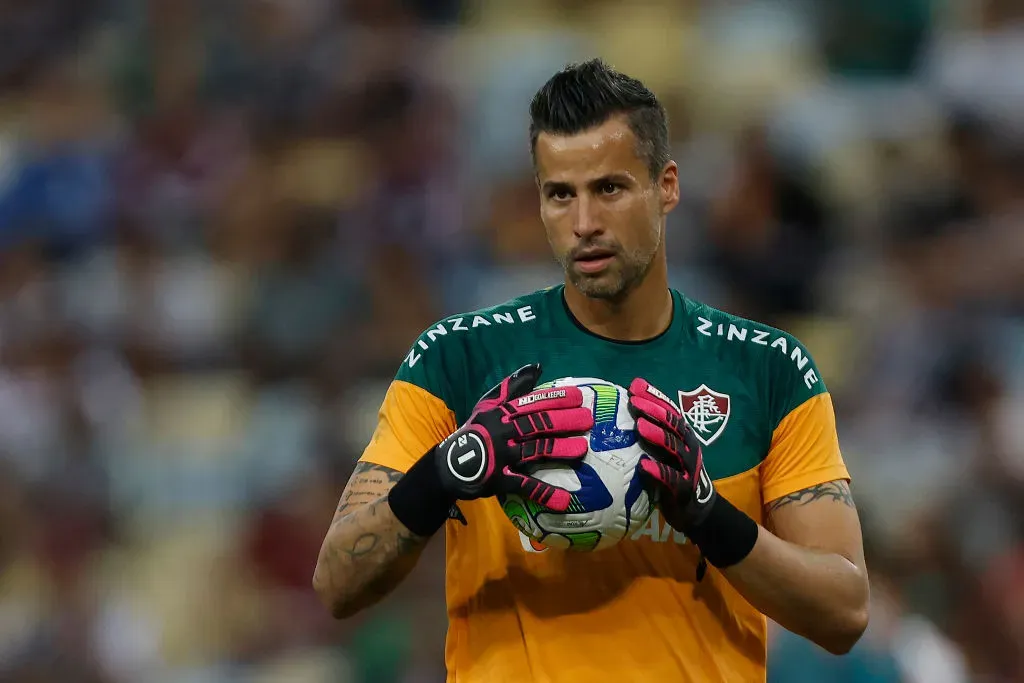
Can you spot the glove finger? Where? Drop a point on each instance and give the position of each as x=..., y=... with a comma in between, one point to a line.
x=556, y=398
x=518, y=383
x=552, y=497
x=553, y=450
x=666, y=481
x=654, y=472
x=663, y=442
x=652, y=479
x=657, y=412
x=550, y=422
x=521, y=381
x=641, y=388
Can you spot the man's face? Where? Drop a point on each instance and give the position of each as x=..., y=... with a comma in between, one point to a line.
x=603, y=213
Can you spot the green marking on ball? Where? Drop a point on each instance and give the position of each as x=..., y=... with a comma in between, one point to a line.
x=606, y=404
x=584, y=540
x=523, y=514
x=515, y=511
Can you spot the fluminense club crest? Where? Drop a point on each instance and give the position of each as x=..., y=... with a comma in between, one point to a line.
x=707, y=412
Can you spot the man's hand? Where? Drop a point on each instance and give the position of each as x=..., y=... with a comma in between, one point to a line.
x=514, y=425
x=808, y=576
x=673, y=465
x=511, y=426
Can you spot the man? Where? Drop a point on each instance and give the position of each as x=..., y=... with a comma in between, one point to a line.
x=684, y=599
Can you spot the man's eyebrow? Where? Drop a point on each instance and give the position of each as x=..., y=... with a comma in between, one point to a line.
x=550, y=185
x=615, y=178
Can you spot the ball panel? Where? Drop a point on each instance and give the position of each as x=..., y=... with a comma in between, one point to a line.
x=609, y=502
x=556, y=475
x=516, y=509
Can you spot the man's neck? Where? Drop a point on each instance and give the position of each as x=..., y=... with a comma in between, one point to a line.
x=644, y=313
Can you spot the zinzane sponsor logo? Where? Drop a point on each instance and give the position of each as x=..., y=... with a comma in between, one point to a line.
x=533, y=398
x=465, y=323
x=783, y=345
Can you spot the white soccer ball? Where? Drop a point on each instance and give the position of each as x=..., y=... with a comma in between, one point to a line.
x=609, y=502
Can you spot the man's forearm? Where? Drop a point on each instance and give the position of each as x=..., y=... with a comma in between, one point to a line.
x=821, y=596
x=365, y=554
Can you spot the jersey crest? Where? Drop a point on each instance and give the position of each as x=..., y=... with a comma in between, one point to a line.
x=706, y=411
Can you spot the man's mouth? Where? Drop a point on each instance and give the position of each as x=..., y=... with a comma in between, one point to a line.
x=593, y=260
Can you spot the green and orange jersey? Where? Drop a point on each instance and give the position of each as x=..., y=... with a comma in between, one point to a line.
x=518, y=612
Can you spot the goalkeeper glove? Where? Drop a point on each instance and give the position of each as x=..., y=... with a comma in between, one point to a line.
x=673, y=467
x=512, y=425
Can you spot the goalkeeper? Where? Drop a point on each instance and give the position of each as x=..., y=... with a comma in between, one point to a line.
x=755, y=517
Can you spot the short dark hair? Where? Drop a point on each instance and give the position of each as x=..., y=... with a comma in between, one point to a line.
x=584, y=95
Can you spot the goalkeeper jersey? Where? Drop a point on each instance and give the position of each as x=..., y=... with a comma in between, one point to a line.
x=636, y=611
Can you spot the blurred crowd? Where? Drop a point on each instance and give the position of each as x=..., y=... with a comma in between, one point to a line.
x=222, y=223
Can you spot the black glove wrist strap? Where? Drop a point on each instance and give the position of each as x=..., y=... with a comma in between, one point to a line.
x=726, y=536
x=419, y=500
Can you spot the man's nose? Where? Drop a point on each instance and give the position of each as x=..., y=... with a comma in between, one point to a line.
x=587, y=220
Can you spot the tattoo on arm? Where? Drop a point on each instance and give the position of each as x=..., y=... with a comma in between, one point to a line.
x=369, y=542
x=366, y=541
x=838, y=491
x=368, y=483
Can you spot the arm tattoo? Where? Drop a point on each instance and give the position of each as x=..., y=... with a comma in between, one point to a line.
x=365, y=541
x=368, y=481
x=838, y=491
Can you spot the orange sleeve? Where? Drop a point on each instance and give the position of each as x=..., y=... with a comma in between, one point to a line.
x=410, y=422
x=804, y=450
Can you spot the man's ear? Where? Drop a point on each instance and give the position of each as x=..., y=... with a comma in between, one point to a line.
x=668, y=184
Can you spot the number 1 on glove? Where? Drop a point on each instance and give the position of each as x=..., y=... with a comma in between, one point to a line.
x=514, y=425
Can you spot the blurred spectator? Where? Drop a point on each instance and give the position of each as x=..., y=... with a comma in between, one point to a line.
x=874, y=38
x=59, y=192
x=300, y=299
x=30, y=31
x=223, y=224
x=769, y=234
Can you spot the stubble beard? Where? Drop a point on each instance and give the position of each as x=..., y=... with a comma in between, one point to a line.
x=623, y=276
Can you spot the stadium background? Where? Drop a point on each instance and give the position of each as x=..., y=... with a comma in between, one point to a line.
x=223, y=222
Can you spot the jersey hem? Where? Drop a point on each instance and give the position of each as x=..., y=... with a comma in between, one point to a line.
x=382, y=463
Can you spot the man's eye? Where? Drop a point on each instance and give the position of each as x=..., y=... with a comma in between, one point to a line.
x=609, y=188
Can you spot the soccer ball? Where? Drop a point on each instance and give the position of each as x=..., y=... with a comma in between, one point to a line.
x=609, y=502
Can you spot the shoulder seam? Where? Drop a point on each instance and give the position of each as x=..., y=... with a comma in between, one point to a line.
x=797, y=407
x=426, y=391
